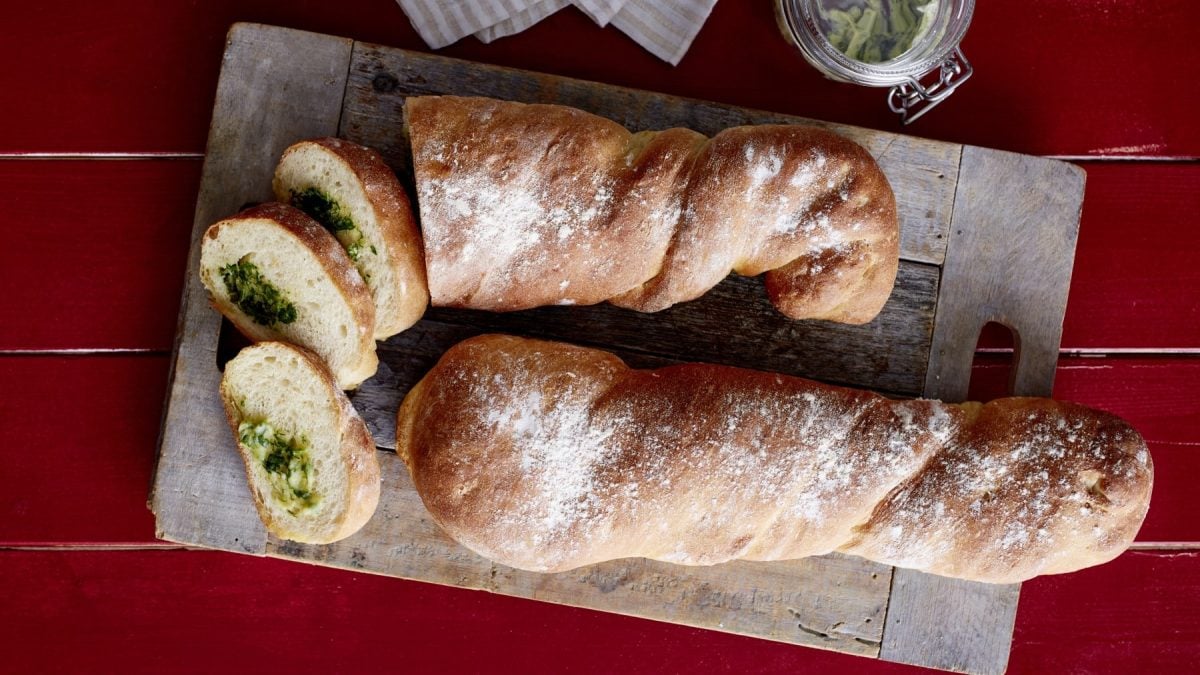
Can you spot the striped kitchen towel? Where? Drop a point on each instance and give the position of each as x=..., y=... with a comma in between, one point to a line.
x=664, y=27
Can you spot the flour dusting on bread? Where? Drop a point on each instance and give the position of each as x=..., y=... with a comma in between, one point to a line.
x=530, y=205
x=547, y=457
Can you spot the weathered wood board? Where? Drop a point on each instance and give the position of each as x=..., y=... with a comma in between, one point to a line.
x=986, y=235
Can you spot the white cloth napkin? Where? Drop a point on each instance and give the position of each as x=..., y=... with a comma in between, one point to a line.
x=664, y=27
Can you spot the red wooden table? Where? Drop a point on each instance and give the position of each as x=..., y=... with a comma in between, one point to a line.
x=103, y=117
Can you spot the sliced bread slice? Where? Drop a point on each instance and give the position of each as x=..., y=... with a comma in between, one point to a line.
x=351, y=191
x=278, y=275
x=309, y=459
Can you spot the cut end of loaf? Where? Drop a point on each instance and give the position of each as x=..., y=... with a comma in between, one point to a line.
x=309, y=461
x=303, y=265
x=351, y=191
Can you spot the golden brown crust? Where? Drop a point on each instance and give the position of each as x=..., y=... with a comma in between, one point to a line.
x=546, y=457
x=395, y=219
x=529, y=205
x=1029, y=486
x=356, y=452
x=335, y=263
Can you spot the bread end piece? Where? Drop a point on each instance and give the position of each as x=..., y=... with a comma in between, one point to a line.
x=293, y=282
x=351, y=191
x=309, y=459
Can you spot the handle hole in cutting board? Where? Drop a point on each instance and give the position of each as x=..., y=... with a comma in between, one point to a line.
x=992, y=368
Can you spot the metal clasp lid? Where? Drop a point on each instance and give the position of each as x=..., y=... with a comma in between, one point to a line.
x=911, y=99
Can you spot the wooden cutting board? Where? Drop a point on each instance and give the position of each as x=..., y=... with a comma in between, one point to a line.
x=986, y=236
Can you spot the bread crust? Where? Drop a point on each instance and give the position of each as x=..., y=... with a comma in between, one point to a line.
x=356, y=452
x=397, y=226
x=335, y=264
x=546, y=457
x=524, y=205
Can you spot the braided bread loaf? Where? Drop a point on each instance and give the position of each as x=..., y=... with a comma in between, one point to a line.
x=530, y=205
x=546, y=457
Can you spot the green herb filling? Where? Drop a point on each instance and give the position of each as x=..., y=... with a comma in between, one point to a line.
x=323, y=209
x=289, y=469
x=334, y=218
x=254, y=295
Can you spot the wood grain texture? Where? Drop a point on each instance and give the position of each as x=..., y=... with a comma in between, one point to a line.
x=1135, y=261
x=76, y=615
x=1010, y=248
x=1044, y=83
x=922, y=173
x=1007, y=261
x=834, y=602
x=1136, y=614
x=950, y=624
x=831, y=602
x=102, y=246
x=733, y=324
x=277, y=86
x=88, y=79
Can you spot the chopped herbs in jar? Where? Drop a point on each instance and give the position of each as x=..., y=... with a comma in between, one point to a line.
x=875, y=31
x=286, y=461
x=254, y=295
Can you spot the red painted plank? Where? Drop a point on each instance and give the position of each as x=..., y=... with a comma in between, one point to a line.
x=85, y=460
x=1155, y=394
x=141, y=79
x=1074, y=78
x=204, y=611
x=199, y=608
x=80, y=436
x=1137, y=614
x=101, y=254
x=1137, y=263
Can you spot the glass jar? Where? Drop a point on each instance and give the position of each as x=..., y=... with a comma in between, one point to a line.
x=921, y=73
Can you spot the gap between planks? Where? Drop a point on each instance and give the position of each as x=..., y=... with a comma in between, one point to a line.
x=148, y=546
x=101, y=156
x=87, y=351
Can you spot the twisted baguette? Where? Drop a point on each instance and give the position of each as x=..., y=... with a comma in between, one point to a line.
x=546, y=457
x=530, y=205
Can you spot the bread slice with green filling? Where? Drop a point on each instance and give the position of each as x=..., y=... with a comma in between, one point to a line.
x=351, y=191
x=309, y=458
x=278, y=275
